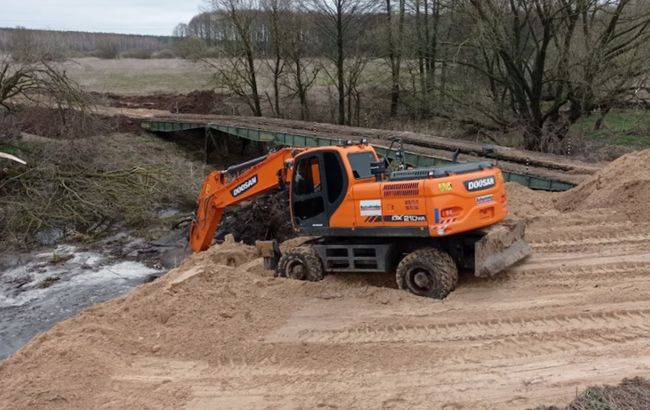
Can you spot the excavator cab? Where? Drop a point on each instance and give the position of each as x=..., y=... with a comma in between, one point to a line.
x=318, y=187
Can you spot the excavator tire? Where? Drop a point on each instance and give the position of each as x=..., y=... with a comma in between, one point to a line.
x=301, y=263
x=428, y=272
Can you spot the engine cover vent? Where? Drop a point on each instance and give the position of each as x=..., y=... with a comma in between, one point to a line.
x=405, y=189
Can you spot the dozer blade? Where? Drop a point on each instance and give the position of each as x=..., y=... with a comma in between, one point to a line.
x=501, y=247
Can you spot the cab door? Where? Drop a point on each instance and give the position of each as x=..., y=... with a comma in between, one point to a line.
x=317, y=189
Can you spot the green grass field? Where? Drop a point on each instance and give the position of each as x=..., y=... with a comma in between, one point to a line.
x=630, y=128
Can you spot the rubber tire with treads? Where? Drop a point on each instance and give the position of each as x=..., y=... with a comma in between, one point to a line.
x=436, y=267
x=301, y=263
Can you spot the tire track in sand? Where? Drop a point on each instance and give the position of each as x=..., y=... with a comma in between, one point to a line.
x=484, y=330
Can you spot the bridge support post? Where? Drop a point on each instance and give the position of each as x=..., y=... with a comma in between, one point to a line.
x=210, y=144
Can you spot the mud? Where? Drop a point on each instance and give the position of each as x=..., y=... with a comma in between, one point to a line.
x=221, y=332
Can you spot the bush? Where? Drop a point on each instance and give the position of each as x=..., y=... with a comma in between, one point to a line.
x=190, y=48
x=140, y=53
x=165, y=53
x=107, y=49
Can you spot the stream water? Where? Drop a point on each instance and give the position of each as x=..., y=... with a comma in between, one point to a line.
x=39, y=289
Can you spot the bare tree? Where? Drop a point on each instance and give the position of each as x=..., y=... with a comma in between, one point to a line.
x=301, y=67
x=338, y=21
x=277, y=11
x=531, y=52
x=239, y=73
x=38, y=82
x=181, y=30
x=395, y=44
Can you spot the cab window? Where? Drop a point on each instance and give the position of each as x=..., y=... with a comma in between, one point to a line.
x=307, y=178
x=333, y=176
x=360, y=163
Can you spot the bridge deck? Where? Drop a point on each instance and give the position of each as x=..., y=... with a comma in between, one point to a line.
x=536, y=171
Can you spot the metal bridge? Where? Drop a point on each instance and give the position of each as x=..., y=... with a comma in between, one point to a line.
x=164, y=125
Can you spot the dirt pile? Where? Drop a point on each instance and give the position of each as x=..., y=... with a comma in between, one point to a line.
x=622, y=187
x=65, y=124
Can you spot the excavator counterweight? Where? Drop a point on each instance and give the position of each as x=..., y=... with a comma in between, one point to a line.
x=424, y=224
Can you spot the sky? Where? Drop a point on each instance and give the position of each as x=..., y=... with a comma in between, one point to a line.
x=157, y=17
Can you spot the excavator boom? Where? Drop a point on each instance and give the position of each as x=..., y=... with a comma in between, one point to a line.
x=222, y=189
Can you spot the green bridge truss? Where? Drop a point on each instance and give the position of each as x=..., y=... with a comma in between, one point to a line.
x=297, y=140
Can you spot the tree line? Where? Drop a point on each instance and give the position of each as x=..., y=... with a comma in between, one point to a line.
x=491, y=65
x=28, y=44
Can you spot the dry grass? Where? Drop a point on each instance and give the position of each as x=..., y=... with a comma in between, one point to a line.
x=136, y=76
x=631, y=394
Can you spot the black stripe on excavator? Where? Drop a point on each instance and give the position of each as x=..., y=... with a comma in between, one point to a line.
x=405, y=218
x=245, y=186
x=397, y=218
x=370, y=231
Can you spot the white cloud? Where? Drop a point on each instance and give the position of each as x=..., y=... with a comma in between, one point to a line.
x=157, y=17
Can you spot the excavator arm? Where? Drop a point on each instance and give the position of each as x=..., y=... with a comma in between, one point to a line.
x=236, y=184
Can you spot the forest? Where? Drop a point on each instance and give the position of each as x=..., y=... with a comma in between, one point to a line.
x=491, y=66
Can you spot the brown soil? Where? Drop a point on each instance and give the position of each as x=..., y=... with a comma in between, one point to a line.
x=221, y=332
x=196, y=102
x=52, y=123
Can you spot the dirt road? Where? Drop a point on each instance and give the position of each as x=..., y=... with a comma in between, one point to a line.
x=577, y=313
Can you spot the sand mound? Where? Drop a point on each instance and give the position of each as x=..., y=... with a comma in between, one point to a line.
x=527, y=204
x=231, y=253
x=213, y=307
x=226, y=304
x=622, y=187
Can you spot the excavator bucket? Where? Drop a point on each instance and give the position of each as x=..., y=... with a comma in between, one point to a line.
x=501, y=247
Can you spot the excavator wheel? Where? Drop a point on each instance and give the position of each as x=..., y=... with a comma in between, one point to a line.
x=428, y=272
x=300, y=263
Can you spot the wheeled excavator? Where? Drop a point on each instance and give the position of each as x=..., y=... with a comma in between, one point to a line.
x=424, y=224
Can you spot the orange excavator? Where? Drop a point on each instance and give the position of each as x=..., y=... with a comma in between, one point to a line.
x=424, y=223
